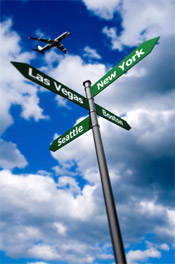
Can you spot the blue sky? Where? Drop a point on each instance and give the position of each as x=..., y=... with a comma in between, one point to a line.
x=52, y=207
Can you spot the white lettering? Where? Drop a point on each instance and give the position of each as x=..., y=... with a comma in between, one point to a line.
x=73, y=133
x=139, y=53
x=80, y=129
x=134, y=57
x=59, y=142
x=39, y=77
x=122, y=66
x=58, y=87
x=112, y=117
x=106, y=81
x=75, y=97
x=64, y=91
x=30, y=73
x=46, y=82
x=80, y=100
x=100, y=85
x=68, y=94
x=113, y=75
x=129, y=62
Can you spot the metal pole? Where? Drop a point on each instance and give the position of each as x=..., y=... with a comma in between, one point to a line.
x=117, y=243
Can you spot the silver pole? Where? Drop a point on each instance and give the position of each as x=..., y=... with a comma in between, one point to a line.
x=116, y=238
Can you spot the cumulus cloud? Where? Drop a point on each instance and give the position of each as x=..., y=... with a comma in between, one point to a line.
x=103, y=9
x=165, y=247
x=50, y=223
x=77, y=71
x=91, y=53
x=14, y=90
x=153, y=22
x=70, y=183
x=61, y=229
x=47, y=238
x=62, y=102
x=26, y=199
x=11, y=156
x=44, y=252
x=138, y=255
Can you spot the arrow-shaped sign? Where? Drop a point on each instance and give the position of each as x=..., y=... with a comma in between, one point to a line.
x=49, y=83
x=83, y=127
x=71, y=134
x=133, y=58
x=111, y=117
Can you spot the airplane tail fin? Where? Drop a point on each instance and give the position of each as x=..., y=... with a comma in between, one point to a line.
x=38, y=51
x=39, y=48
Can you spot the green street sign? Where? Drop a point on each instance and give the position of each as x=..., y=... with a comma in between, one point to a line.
x=111, y=117
x=133, y=58
x=71, y=134
x=49, y=83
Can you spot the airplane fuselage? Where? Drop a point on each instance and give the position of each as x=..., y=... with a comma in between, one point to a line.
x=52, y=43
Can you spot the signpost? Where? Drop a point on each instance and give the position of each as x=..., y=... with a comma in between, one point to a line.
x=49, y=83
x=105, y=180
x=92, y=122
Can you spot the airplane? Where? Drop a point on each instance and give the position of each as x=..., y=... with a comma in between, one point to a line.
x=52, y=43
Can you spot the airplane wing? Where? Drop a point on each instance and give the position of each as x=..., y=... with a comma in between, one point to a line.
x=61, y=47
x=63, y=36
x=43, y=40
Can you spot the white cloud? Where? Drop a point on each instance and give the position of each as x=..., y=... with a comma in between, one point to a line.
x=72, y=71
x=154, y=210
x=155, y=19
x=165, y=247
x=112, y=35
x=91, y=53
x=61, y=229
x=11, y=156
x=65, y=169
x=169, y=229
x=14, y=90
x=44, y=252
x=102, y=8
x=28, y=201
x=39, y=33
x=46, y=221
x=62, y=102
x=70, y=183
x=138, y=255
